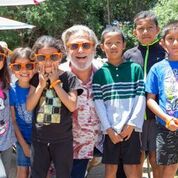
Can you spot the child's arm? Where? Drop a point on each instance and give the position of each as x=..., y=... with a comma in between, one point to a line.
x=137, y=115
x=35, y=93
x=23, y=143
x=68, y=99
x=154, y=107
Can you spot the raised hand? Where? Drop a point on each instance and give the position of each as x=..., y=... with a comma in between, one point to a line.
x=43, y=77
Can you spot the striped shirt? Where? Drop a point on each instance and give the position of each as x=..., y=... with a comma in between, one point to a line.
x=119, y=96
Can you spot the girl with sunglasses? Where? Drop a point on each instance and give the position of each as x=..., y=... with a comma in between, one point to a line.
x=7, y=136
x=23, y=68
x=53, y=97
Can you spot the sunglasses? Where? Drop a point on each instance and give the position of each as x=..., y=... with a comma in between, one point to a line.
x=75, y=46
x=20, y=66
x=2, y=56
x=44, y=57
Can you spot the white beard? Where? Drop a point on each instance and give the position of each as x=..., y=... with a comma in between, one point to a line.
x=81, y=66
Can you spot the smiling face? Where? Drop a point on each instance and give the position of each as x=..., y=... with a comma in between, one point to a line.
x=48, y=63
x=81, y=57
x=23, y=75
x=113, y=47
x=146, y=31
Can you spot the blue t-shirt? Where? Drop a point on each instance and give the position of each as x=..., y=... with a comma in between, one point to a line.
x=18, y=97
x=162, y=80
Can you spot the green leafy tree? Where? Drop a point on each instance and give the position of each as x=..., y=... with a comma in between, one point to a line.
x=54, y=16
x=166, y=10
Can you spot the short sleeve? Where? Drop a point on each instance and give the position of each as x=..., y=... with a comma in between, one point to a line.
x=12, y=96
x=152, y=82
x=35, y=80
x=70, y=82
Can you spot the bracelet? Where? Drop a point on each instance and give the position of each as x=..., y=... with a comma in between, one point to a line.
x=53, y=84
x=168, y=123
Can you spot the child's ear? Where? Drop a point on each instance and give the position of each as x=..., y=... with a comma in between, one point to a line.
x=134, y=33
x=158, y=30
x=102, y=47
x=162, y=43
x=124, y=45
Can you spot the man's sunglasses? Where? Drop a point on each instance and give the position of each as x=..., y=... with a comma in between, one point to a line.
x=20, y=66
x=75, y=46
x=43, y=57
x=2, y=56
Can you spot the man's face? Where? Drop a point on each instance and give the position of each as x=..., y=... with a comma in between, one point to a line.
x=80, y=50
x=146, y=31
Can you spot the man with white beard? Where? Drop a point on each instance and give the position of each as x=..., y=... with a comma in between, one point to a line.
x=80, y=43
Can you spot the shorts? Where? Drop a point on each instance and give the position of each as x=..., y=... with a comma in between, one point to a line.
x=167, y=146
x=148, y=136
x=22, y=160
x=127, y=151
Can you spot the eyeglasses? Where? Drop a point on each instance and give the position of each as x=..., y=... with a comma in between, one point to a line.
x=2, y=56
x=20, y=66
x=75, y=46
x=43, y=57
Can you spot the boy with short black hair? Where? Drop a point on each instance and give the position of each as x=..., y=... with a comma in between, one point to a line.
x=118, y=90
x=162, y=81
x=147, y=53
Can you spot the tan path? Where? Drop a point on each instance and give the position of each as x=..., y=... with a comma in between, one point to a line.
x=98, y=172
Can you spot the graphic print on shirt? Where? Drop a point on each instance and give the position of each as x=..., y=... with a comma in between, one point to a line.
x=3, y=123
x=171, y=92
x=49, y=108
x=24, y=114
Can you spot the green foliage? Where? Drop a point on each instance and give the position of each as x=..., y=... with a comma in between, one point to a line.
x=54, y=16
x=166, y=10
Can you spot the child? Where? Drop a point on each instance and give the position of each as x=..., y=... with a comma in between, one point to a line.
x=162, y=80
x=147, y=53
x=53, y=96
x=118, y=89
x=22, y=67
x=7, y=136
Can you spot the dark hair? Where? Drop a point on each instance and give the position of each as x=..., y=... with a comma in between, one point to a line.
x=112, y=29
x=20, y=53
x=167, y=28
x=47, y=41
x=4, y=73
x=145, y=15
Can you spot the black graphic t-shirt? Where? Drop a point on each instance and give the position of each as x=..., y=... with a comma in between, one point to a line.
x=53, y=121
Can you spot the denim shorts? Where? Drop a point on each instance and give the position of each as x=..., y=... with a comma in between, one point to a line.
x=22, y=160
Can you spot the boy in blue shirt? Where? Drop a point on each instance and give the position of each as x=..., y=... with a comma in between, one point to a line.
x=162, y=81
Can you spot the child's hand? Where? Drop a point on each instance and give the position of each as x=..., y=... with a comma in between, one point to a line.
x=42, y=76
x=26, y=150
x=54, y=75
x=127, y=131
x=173, y=124
x=115, y=137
